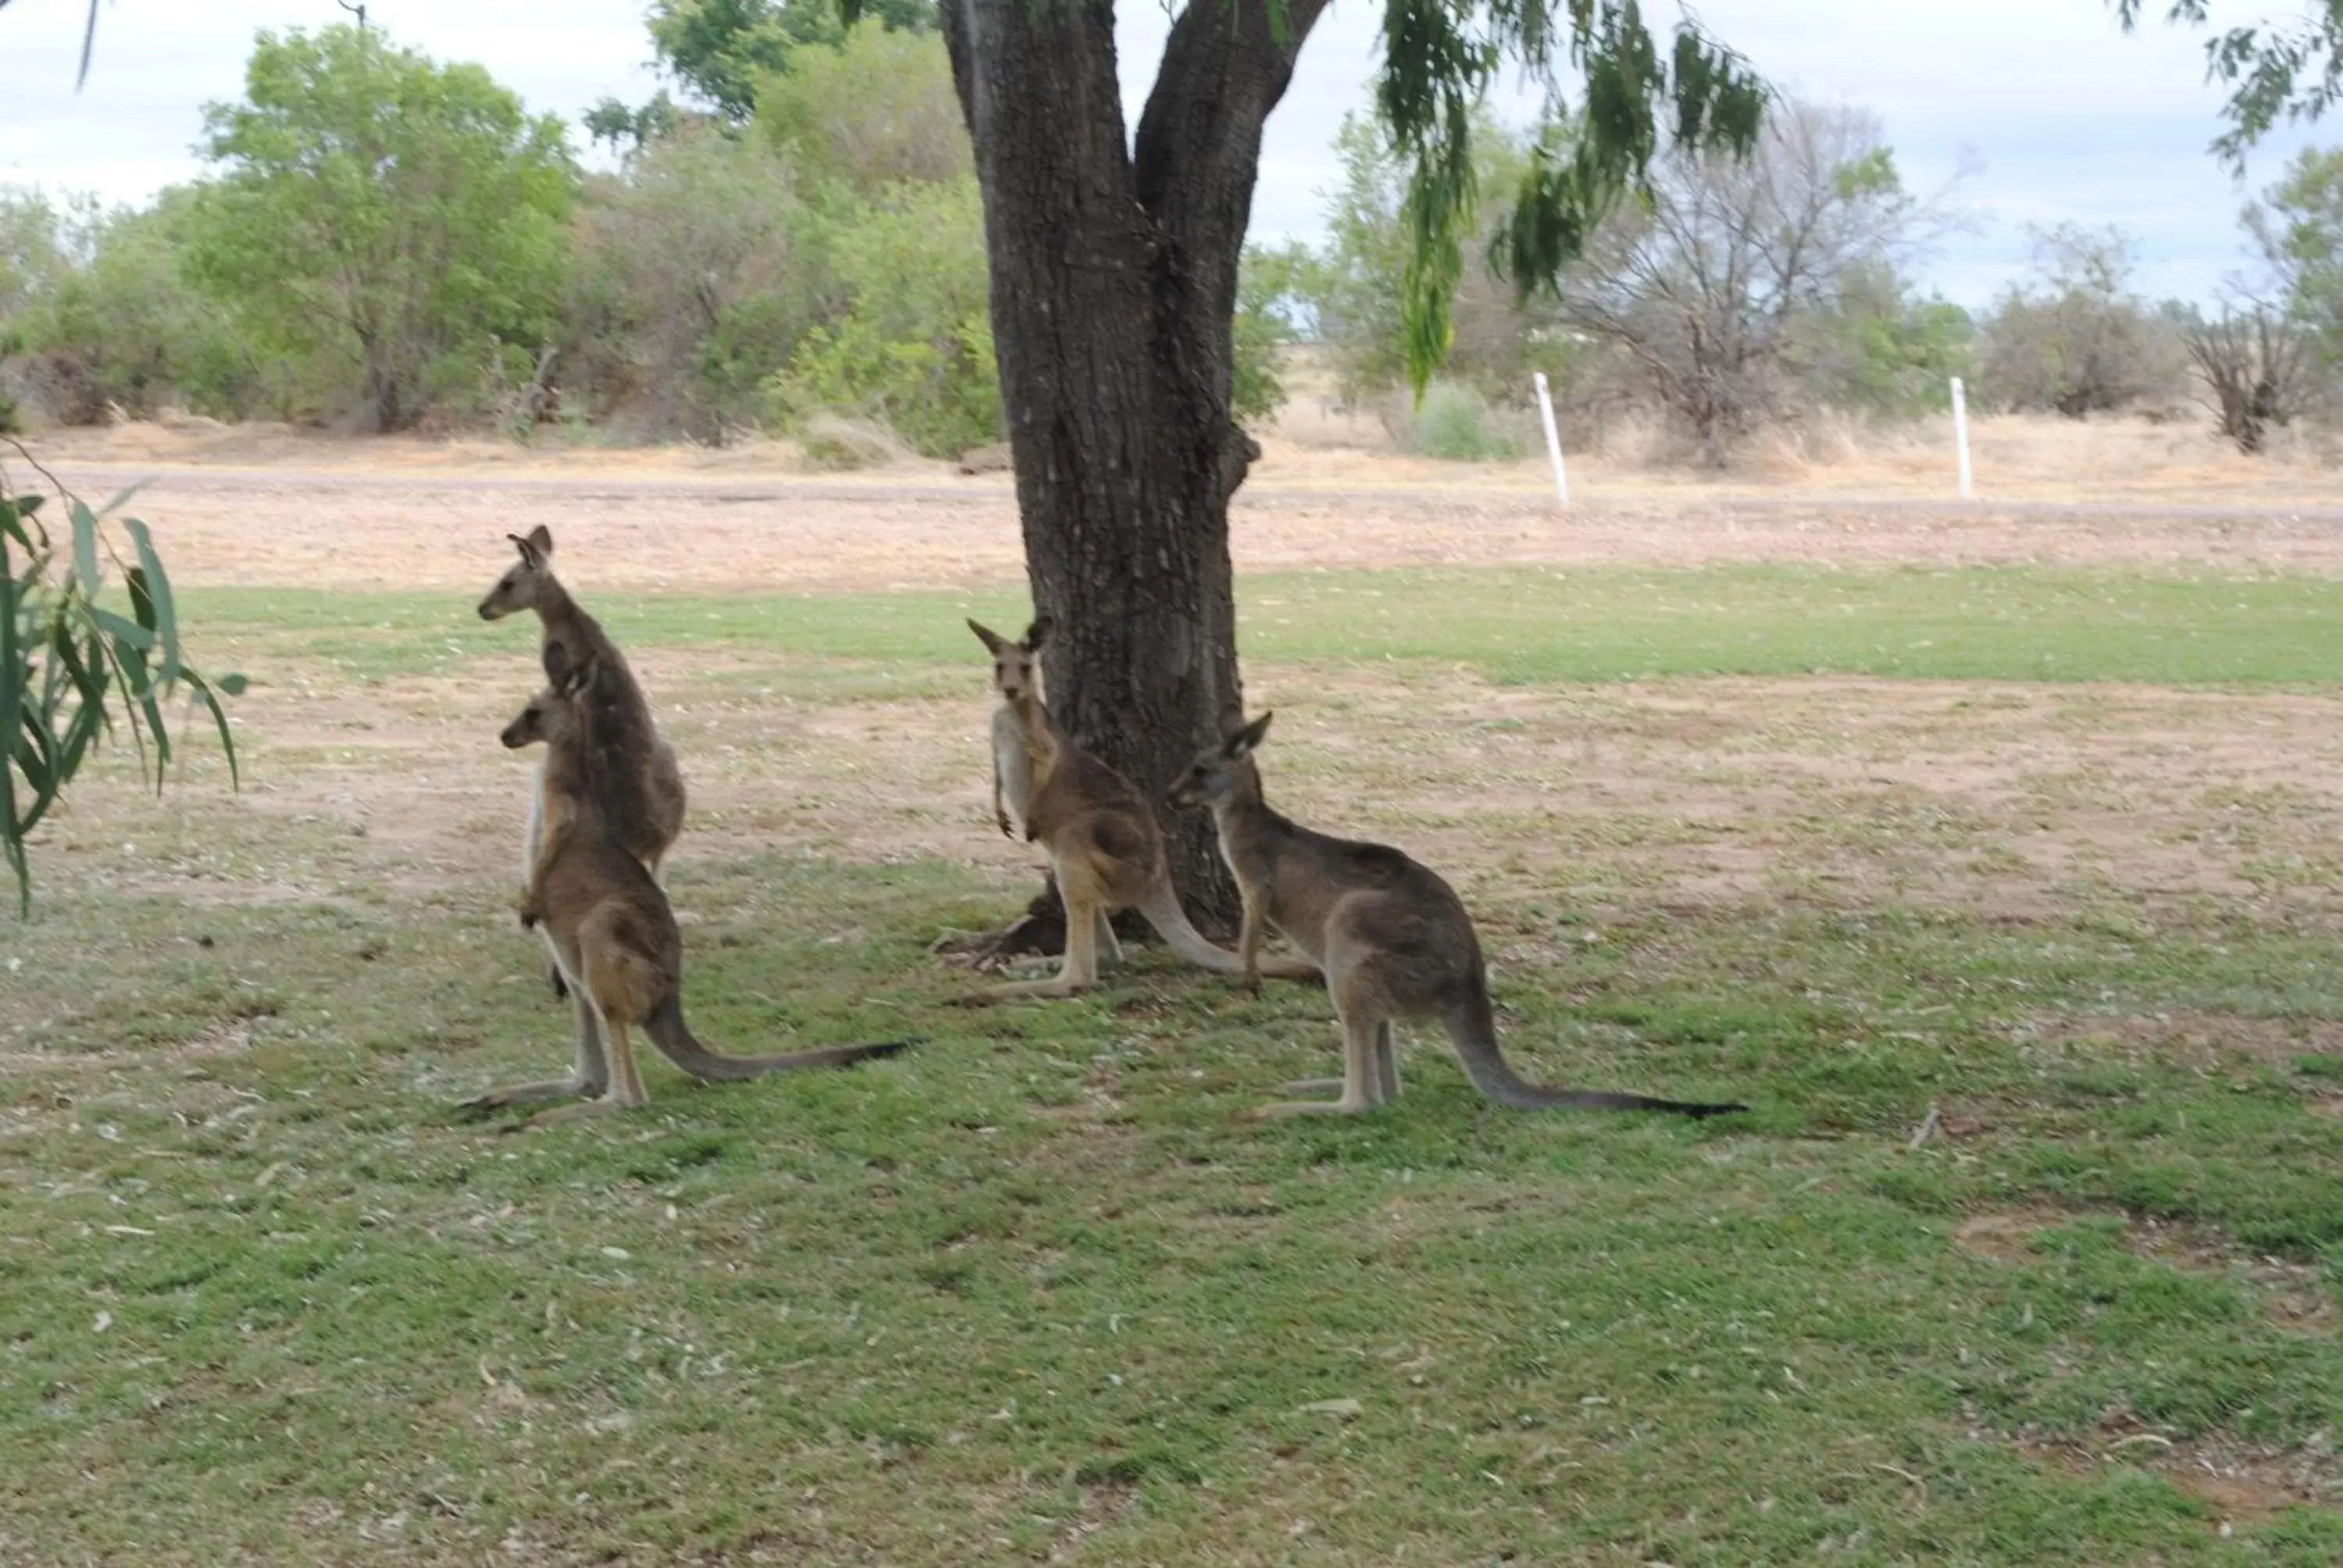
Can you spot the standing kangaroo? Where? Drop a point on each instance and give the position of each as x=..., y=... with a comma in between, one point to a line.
x=641, y=798
x=1394, y=938
x=608, y=926
x=640, y=795
x=1105, y=846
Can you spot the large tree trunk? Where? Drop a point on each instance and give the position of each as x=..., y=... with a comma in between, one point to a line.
x=1114, y=271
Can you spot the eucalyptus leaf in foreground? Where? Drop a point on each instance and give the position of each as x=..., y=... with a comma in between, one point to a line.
x=72, y=667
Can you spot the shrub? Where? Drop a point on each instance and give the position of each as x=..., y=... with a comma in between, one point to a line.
x=1457, y=424
x=913, y=348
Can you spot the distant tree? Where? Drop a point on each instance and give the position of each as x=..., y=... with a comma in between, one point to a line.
x=2075, y=339
x=1710, y=283
x=1358, y=290
x=722, y=49
x=2295, y=230
x=2255, y=364
x=140, y=333
x=694, y=274
x=1877, y=346
x=875, y=109
x=626, y=129
x=32, y=258
x=403, y=213
x=911, y=349
x=1271, y=292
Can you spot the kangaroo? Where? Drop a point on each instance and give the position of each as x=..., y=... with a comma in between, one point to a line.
x=608, y=927
x=641, y=801
x=1393, y=936
x=1105, y=846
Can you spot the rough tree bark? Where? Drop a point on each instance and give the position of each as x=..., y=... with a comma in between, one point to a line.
x=1114, y=274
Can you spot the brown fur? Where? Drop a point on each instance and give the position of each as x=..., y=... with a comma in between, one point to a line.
x=1105, y=846
x=641, y=798
x=610, y=930
x=1392, y=937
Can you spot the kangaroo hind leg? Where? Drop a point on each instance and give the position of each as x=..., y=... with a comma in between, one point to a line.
x=1359, y=1081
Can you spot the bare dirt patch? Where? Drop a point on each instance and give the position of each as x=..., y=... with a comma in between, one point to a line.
x=2293, y=1296
x=2210, y=1039
x=2240, y=1485
x=2004, y=1236
x=1687, y=798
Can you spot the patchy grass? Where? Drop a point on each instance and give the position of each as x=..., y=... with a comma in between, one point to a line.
x=1037, y=1290
x=1515, y=624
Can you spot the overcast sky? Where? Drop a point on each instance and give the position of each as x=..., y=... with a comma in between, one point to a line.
x=2062, y=116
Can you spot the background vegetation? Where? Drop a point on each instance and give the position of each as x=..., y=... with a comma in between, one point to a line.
x=798, y=238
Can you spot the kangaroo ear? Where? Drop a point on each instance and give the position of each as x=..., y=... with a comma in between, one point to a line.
x=993, y=641
x=540, y=540
x=1242, y=743
x=528, y=556
x=1038, y=633
x=577, y=677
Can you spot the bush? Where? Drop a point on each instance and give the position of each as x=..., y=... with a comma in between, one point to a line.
x=696, y=275
x=1457, y=424
x=381, y=210
x=2078, y=341
x=913, y=348
x=141, y=333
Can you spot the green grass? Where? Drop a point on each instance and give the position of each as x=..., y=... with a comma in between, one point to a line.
x=1037, y=1290
x=1527, y=624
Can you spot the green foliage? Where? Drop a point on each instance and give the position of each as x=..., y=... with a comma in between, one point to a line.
x=722, y=49
x=2298, y=227
x=403, y=215
x=33, y=257
x=1357, y=287
x=1272, y=287
x=627, y=128
x=1879, y=348
x=144, y=334
x=2076, y=340
x=694, y=276
x=1455, y=422
x=876, y=109
x=72, y=666
x=912, y=347
x=2292, y=72
x=1438, y=63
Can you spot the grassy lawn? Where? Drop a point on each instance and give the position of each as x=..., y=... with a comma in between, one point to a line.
x=1037, y=1290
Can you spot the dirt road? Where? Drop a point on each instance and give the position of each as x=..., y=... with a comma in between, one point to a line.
x=651, y=531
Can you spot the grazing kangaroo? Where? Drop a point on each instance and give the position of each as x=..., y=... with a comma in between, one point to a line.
x=1394, y=938
x=611, y=933
x=1105, y=846
x=642, y=799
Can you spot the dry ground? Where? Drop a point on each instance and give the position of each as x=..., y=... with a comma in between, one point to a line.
x=1692, y=794
x=1559, y=810
x=269, y=505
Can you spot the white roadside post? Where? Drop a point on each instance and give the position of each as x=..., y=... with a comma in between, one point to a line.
x=1554, y=442
x=1961, y=433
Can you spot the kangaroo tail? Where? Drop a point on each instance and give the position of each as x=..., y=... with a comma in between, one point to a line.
x=1161, y=910
x=672, y=1035
x=1472, y=1027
